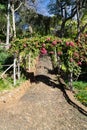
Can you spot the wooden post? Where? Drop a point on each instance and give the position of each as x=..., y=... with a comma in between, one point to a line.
x=71, y=81
x=19, y=67
x=59, y=64
x=29, y=61
x=14, y=69
x=55, y=55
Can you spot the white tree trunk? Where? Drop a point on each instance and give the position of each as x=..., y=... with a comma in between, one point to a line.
x=14, y=69
x=19, y=67
x=8, y=25
x=13, y=19
x=29, y=61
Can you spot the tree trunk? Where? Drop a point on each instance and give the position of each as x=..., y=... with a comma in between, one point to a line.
x=63, y=22
x=8, y=25
x=14, y=69
x=29, y=61
x=13, y=19
x=78, y=19
x=19, y=67
x=62, y=28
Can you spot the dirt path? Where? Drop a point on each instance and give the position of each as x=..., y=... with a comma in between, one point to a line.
x=43, y=106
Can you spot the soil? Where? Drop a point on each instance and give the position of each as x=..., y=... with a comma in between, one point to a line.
x=43, y=104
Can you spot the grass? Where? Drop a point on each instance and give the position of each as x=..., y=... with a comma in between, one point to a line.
x=80, y=85
x=7, y=84
x=82, y=91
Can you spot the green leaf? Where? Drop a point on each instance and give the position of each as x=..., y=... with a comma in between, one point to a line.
x=63, y=67
x=2, y=7
x=70, y=52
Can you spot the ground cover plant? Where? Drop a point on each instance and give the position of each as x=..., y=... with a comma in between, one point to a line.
x=81, y=94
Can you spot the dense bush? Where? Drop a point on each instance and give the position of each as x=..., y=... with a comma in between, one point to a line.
x=3, y=57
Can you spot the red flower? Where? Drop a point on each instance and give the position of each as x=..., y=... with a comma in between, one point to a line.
x=79, y=63
x=71, y=60
x=67, y=43
x=76, y=54
x=51, y=52
x=48, y=39
x=60, y=53
x=25, y=45
x=72, y=44
x=43, y=51
x=43, y=45
x=54, y=42
x=85, y=35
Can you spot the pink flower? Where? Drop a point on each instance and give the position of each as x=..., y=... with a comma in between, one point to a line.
x=51, y=52
x=43, y=45
x=76, y=54
x=60, y=53
x=67, y=43
x=25, y=45
x=72, y=44
x=48, y=39
x=71, y=60
x=79, y=63
x=54, y=42
x=43, y=51
x=85, y=35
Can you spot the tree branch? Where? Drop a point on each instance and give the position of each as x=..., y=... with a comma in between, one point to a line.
x=18, y=6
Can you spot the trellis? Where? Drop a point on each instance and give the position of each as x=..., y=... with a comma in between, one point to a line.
x=16, y=67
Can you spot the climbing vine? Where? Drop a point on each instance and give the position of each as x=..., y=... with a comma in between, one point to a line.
x=66, y=54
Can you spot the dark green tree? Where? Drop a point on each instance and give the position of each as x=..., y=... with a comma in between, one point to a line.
x=66, y=10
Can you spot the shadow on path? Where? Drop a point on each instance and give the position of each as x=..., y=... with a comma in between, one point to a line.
x=48, y=81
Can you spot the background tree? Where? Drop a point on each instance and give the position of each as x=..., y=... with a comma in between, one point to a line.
x=2, y=22
x=67, y=10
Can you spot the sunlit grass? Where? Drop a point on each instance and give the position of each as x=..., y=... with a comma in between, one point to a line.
x=82, y=97
x=82, y=91
x=80, y=85
x=8, y=84
x=5, y=85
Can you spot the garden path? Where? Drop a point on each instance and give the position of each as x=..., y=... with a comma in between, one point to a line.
x=44, y=106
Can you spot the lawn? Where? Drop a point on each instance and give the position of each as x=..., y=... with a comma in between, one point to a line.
x=81, y=88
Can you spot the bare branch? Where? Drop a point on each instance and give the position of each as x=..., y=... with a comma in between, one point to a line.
x=18, y=6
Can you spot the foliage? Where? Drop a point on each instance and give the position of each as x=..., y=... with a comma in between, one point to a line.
x=82, y=91
x=71, y=54
x=7, y=83
x=24, y=45
x=67, y=51
x=3, y=56
x=25, y=48
x=82, y=97
x=80, y=85
x=67, y=10
x=2, y=7
x=2, y=25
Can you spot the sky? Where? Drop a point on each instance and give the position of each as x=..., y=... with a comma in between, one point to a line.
x=42, y=7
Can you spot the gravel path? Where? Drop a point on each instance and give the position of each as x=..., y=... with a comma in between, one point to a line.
x=42, y=107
